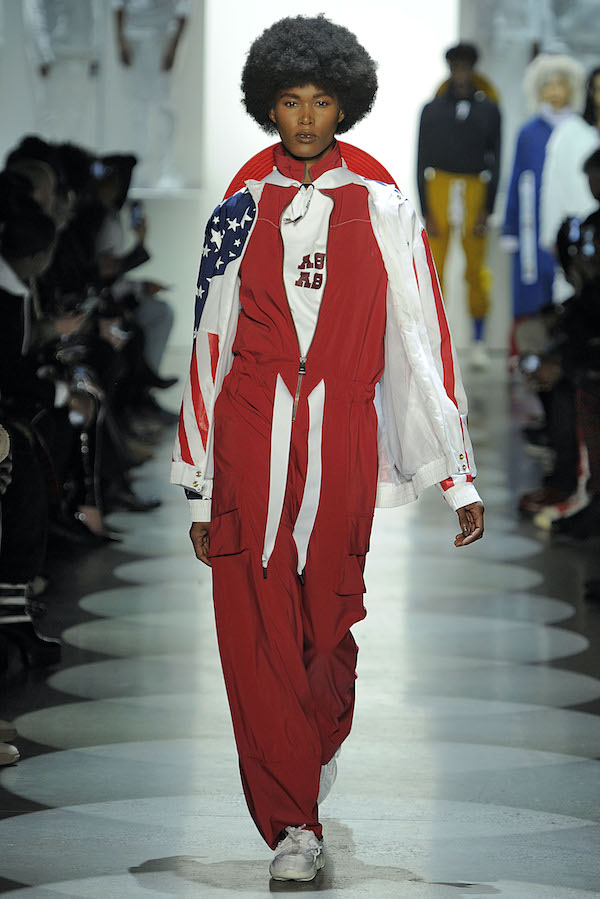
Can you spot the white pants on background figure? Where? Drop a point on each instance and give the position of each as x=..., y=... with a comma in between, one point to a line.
x=152, y=114
x=67, y=102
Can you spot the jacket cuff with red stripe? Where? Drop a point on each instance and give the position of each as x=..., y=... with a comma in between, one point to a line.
x=460, y=495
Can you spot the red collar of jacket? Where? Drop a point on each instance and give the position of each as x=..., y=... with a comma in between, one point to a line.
x=357, y=161
x=294, y=168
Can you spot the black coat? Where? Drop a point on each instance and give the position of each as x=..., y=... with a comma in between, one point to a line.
x=22, y=392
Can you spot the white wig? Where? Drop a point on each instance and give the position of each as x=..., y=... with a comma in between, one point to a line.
x=547, y=66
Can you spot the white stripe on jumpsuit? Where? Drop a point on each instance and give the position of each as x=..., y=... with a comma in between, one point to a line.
x=304, y=230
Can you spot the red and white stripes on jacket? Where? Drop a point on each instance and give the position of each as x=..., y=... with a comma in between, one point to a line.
x=422, y=401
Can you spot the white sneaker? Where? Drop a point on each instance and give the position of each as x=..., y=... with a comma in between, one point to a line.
x=8, y=754
x=480, y=360
x=299, y=856
x=328, y=776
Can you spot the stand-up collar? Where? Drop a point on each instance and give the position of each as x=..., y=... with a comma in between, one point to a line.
x=294, y=168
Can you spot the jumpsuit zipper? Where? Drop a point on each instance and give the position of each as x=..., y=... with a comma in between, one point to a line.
x=302, y=364
x=301, y=373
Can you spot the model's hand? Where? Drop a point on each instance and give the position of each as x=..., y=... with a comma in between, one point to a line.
x=471, y=524
x=44, y=69
x=431, y=226
x=200, y=540
x=480, y=227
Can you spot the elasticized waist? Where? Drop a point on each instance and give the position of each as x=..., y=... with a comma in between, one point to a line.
x=265, y=374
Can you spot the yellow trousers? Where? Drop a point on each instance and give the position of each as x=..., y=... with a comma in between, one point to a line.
x=456, y=201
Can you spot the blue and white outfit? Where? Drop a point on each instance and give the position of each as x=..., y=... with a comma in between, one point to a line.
x=532, y=265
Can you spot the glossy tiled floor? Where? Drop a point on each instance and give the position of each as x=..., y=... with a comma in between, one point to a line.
x=472, y=768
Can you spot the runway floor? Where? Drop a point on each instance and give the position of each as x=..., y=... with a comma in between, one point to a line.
x=472, y=769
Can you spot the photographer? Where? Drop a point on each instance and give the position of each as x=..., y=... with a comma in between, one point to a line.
x=92, y=344
x=573, y=354
x=579, y=250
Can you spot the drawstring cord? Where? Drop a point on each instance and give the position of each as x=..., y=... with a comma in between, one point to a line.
x=281, y=431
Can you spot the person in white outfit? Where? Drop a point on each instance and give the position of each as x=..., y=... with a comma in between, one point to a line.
x=148, y=35
x=565, y=188
x=65, y=38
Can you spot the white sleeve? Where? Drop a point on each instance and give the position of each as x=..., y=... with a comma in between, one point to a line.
x=36, y=23
x=200, y=509
x=551, y=199
x=98, y=21
x=460, y=495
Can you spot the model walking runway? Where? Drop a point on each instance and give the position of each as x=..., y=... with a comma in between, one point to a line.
x=472, y=755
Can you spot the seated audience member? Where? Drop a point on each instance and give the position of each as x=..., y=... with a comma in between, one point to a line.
x=153, y=315
x=26, y=244
x=579, y=348
x=572, y=357
x=79, y=353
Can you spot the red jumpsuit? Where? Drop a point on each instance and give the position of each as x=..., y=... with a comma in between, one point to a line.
x=288, y=656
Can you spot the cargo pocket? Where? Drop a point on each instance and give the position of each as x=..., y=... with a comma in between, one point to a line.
x=225, y=535
x=351, y=581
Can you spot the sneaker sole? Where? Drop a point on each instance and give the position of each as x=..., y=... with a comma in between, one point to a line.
x=293, y=875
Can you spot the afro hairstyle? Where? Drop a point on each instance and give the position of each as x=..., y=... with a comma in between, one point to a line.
x=546, y=66
x=463, y=52
x=302, y=50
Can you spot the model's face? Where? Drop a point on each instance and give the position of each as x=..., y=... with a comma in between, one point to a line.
x=462, y=78
x=306, y=118
x=556, y=92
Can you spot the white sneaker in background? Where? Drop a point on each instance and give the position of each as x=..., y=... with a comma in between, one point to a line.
x=328, y=776
x=480, y=360
x=8, y=754
x=299, y=856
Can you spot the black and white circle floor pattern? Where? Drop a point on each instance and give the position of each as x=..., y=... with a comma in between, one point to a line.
x=468, y=772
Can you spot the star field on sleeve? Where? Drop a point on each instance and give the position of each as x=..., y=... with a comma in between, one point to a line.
x=224, y=241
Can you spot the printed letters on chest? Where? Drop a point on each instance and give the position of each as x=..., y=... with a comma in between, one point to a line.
x=314, y=278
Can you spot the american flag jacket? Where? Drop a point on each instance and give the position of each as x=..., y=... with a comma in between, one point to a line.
x=421, y=404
